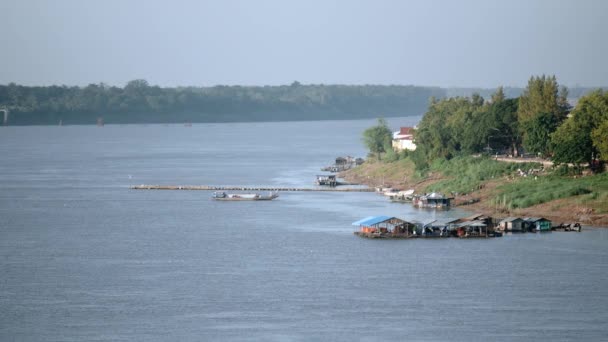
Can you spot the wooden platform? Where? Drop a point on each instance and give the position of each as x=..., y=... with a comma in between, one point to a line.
x=243, y=188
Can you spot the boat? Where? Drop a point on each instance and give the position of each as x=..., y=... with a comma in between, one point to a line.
x=406, y=196
x=223, y=196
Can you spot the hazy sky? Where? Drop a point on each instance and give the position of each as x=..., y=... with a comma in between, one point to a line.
x=441, y=43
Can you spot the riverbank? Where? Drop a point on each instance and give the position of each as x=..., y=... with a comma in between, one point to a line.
x=500, y=194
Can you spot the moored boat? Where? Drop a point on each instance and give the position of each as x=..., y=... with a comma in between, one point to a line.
x=223, y=196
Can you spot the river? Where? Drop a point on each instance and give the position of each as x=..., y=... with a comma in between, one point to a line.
x=84, y=258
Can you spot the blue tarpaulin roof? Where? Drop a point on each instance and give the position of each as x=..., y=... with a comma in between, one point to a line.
x=371, y=220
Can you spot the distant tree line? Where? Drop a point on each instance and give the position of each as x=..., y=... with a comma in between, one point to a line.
x=510, y=92
x=540, y=122
x=140, y=102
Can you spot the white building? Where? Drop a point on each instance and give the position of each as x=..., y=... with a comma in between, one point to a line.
x=404, y=139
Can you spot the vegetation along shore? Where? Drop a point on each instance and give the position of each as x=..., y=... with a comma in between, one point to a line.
x=478, y=151
x=140, y=102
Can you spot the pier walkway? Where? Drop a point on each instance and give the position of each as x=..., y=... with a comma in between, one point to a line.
x=245, y=188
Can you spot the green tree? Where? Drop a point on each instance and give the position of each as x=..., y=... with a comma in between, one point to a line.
x=440, y=130
x=599, y=137
x=507, y=135
x=580, y=137
x=541, y=99
x=139, y=101
x=540, y=96
x=539, y=129
x=499, y=95
x=377, y=138
x=571, y=143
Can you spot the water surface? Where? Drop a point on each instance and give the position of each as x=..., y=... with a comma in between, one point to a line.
x=85, y=258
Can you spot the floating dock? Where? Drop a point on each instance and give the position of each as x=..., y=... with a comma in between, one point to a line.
x=243, y=188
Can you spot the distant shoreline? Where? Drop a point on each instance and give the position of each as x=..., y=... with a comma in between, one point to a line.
x=141, y=103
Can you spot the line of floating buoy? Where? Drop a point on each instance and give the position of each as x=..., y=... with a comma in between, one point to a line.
x=241, y=188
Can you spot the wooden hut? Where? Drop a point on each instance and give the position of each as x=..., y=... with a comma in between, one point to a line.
x=511, y=224
x=537, y=224
x=476, y=217
x=472, y=229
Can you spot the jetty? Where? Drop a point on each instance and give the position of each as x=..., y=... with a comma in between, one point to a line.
x=244, y=188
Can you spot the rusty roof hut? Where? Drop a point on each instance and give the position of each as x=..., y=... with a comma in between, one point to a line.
x=384, y=227
x=472, y=229
x=475, y=217
x=537, y=224
x=512, y=224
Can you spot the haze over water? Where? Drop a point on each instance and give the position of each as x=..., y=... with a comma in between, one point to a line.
x=86, y=258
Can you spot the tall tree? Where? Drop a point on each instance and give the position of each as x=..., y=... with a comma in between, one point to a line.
x=499, y=95
x=377, y=138
x=502, y=127
x=541, y=96
x=541, y=99
x=539, y=129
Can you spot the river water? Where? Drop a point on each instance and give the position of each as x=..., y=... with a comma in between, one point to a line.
x=84, y=258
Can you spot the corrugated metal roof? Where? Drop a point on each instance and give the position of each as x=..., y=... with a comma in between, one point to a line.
x=475, y=217
x=356, y=223
x=472, y=224
x=371, y=220
x=511, y=219
x=435, y=195
x=534, y=219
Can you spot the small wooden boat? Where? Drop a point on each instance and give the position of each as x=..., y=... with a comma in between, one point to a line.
x=223, y=196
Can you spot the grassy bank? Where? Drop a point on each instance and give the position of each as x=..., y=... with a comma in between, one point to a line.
x=374, y=173
x=468, y=174
x=589, y=191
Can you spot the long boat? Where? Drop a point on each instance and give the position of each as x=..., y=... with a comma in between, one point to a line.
x=223, y=196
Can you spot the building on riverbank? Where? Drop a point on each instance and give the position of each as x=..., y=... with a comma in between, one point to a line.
x=403, y=139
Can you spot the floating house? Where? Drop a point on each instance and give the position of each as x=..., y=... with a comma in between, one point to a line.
x=403, y=139
x=512, y=224
x=385, y=227
x=327, y=180
x=476, y=217
x=471, y=229
x=537, y=224
x=393, y=227
x=433, y=229
x=433, y=200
